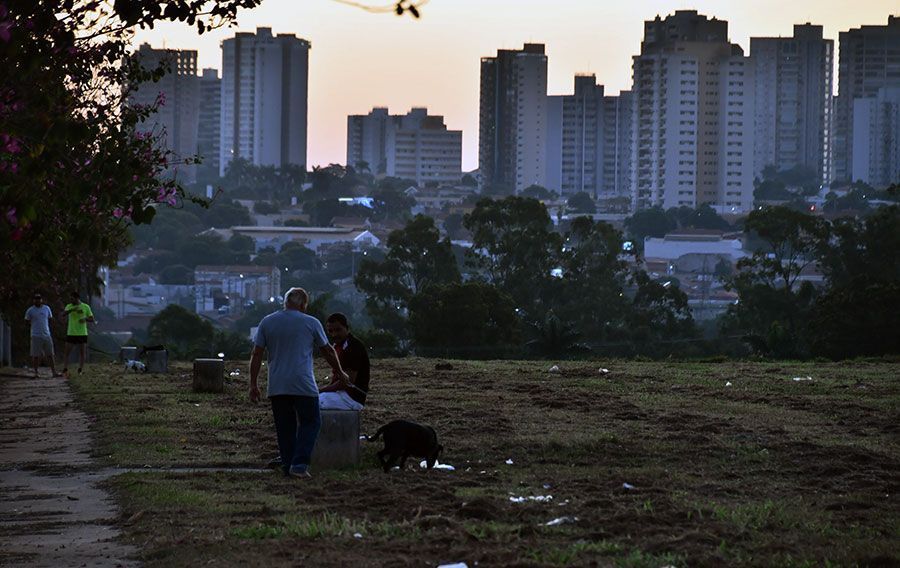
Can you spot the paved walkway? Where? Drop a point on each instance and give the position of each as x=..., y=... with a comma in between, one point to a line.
x=53, y=511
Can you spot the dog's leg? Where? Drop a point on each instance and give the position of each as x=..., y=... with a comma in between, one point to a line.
x=390, y=463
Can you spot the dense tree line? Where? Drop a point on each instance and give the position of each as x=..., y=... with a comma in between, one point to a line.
x=523, y=289
x=857, y=310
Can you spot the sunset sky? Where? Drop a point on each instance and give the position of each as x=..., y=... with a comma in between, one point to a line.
x=360, y=59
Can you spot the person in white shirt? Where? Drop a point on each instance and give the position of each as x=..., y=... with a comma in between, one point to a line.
x=39, y=316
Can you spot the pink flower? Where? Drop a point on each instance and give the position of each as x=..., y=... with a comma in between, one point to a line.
x=11, y=217
x=9, y=144
x=118, y=213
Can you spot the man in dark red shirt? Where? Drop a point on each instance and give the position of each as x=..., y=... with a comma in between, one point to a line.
x=354, y=358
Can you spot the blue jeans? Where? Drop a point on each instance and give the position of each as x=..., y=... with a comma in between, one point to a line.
x=297, y=423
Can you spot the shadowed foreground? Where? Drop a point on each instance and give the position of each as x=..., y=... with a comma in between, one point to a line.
x=767, y=471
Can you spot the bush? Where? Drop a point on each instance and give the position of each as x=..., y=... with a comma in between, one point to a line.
x=381, y=343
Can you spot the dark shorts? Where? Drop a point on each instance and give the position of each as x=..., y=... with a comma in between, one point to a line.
x=76, y=339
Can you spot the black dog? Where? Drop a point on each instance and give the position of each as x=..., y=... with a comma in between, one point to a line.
x=403, y=439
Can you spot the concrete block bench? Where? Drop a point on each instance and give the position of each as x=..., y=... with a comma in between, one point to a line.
x=127, y=354
x=209, y=375
x=157, y=361
x=338, y=442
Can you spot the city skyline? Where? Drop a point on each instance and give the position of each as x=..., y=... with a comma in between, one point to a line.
x=391, y=74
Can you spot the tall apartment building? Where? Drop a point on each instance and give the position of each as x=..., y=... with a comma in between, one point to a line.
x=265, y=83
x=177, y=117
x=692, y=116
x=794, y=82
x=367, y=139
x=624, y=141
x=208, y=132
x=513, y=119
x=876, y=138
x=587, y=143
x=869, y=59
x=414, y=146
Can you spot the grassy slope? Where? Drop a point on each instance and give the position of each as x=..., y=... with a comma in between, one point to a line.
x=768, y=471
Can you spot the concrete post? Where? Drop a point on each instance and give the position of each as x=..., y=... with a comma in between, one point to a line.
x=338, y=442
x=5, y=344
x=209, y=375
x=157, y=361
x=127, y=354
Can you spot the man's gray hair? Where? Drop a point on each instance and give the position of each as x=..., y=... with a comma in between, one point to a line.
x=296, y=298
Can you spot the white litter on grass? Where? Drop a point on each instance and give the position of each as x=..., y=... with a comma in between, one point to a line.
x=537, y=498
x=627, y=486
x=546, y=486
x=234, y=373
x=457, y=565
x=728, y=384
x=221, y=355
x=561, y=521
x=195, y=404
x=136, y=366
x=445, y=466
x=603, y=371
x=798, y=379
x=357, y=535
x=509, y=461
x=554, y=369
x=363, y=437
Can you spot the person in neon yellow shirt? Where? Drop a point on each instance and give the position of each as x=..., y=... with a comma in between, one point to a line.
x=80, y=315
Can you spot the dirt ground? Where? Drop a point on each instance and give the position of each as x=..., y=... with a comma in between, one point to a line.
x=54, y=510
x=648, y=464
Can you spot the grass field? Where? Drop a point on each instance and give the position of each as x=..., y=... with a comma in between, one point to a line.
x=768, y=471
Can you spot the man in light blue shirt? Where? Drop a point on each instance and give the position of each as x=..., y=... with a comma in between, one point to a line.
x=291, y=338
x=39, y=316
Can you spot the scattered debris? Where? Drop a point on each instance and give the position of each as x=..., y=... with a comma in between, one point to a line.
x=195, y=404
x=363, y=437
x=357, y=535
x=603, y=371
x=554, y=369
x=728, y=384
x=561, y=521
x=437, y=465
x=455, y=565
x=509, y=461
x=136, y=366
x=546, y=486
x=415, y=374
x=798, y=379
x=627, y=486
x=221, y=355
x=235, y=373
x=537, y=498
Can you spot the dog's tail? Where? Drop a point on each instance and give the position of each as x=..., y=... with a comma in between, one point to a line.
x=376, y=436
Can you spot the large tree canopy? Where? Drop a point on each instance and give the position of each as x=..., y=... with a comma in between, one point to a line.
x=74, y=170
